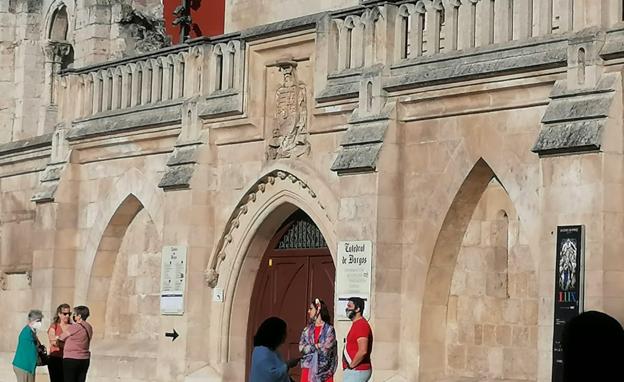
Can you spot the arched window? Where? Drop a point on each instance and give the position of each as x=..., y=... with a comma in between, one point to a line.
x=581, y=66
x=59, y=25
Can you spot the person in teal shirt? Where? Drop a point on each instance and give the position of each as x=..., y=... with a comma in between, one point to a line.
x=25, y=360
x=266, y=363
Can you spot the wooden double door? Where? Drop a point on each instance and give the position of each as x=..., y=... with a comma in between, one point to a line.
x=296, y=268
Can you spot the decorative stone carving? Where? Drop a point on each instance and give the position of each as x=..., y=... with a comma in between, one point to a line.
x=290, y=134
x=57, y=51
x=211, y=275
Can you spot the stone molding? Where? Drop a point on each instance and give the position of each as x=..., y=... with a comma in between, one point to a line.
x=41, y=141
x=139, y=118
x=363, y=140
x=574, y=120
x=579, y=105
x=261, y=186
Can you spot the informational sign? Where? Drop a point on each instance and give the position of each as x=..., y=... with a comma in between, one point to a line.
x=569, y=273
x=353, y=275
x=173, y=280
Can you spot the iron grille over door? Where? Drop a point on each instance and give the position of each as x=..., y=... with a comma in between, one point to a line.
x=303, y=233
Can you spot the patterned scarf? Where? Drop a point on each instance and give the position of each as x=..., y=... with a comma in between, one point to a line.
x=321, y=362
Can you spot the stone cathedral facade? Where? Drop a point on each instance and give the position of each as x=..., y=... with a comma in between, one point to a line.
x=454, y=135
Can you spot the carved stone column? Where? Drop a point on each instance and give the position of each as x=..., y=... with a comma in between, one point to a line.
x=56, y=53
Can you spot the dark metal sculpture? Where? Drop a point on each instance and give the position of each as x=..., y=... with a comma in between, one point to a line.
x=183, y=19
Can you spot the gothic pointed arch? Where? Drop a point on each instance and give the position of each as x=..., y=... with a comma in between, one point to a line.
x=129, y=194
x=235, y=260
x=473, y=283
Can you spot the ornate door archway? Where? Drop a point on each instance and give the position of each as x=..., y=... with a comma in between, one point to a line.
x=296, y=267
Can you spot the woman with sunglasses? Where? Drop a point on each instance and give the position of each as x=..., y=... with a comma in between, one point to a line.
x=318, y=345
x=55, y=358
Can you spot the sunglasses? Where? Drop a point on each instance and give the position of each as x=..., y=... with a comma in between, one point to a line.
x=65, y=313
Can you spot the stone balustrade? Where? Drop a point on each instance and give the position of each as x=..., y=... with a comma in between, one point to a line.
x=160, y=78
x=390, y=34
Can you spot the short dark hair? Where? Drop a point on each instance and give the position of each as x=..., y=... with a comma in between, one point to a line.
x=271, y=333
x=325, y=315
x=82, y=311
x=358, y=302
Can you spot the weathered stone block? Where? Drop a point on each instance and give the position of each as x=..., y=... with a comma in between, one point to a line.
x=568, y=137
x=357, y=158
x=177, y=177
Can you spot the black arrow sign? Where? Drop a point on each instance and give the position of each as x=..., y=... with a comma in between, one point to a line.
x=173, y=335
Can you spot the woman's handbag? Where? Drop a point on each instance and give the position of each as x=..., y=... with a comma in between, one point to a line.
x=42, y=355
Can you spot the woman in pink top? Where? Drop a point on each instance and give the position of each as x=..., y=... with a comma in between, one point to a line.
x=59, y=325
x=76, y=352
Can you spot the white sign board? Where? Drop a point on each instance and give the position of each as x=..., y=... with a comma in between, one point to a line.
x=173, y=280
x=353, y=275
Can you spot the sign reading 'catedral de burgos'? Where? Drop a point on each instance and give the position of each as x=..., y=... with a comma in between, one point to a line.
x=173, y=280
x=568, y=287
x=353, y=275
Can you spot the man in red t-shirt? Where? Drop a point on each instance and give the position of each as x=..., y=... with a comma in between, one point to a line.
x=359, y=344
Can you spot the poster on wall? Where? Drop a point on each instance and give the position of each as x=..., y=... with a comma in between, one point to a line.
x=569, y=273
x=173, y=280
x=353, y=275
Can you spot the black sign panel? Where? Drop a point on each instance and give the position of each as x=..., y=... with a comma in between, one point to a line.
x=568, y=287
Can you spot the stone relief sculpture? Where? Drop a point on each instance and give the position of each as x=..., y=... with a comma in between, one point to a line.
x=289, y=136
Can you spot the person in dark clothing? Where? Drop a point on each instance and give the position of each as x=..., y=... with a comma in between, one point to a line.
x=593, y=348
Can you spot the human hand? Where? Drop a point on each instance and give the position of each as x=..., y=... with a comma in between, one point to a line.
x=293, y=362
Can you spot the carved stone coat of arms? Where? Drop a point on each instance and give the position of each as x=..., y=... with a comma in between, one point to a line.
x=289, y=136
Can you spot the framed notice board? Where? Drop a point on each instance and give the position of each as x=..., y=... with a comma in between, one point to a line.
x=569, y=278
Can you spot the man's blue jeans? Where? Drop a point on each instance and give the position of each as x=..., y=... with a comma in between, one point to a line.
x=357, y=375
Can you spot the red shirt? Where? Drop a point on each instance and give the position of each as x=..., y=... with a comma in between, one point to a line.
x=304, y=370
x=359, y=329
x=56, y=351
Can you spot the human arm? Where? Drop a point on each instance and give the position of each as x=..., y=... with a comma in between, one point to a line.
x=305, y=347
x=362, y=343
x=68, y=331
x=52, y=336
x=328, y=341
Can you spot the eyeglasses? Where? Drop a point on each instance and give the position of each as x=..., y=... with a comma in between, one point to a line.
x=65, y=313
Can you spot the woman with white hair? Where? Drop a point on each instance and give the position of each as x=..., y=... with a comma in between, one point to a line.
x=25, y=360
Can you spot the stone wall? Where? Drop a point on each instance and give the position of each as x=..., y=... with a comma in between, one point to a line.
x=493, y=310
x=242, y=14
x=428, y=157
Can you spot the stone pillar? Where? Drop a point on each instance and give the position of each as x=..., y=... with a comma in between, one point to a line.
x=543, y=11
x=485, y=22
x=54, y=55
x=451, y=8
x=27, y=73
x=503, y=20
x=357, y=48
x=523, y=19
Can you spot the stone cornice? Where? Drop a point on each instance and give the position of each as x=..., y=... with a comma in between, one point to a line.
x=28, y=144
x=130, y=119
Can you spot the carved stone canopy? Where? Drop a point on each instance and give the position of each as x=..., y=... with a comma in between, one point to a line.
x=211, y=274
